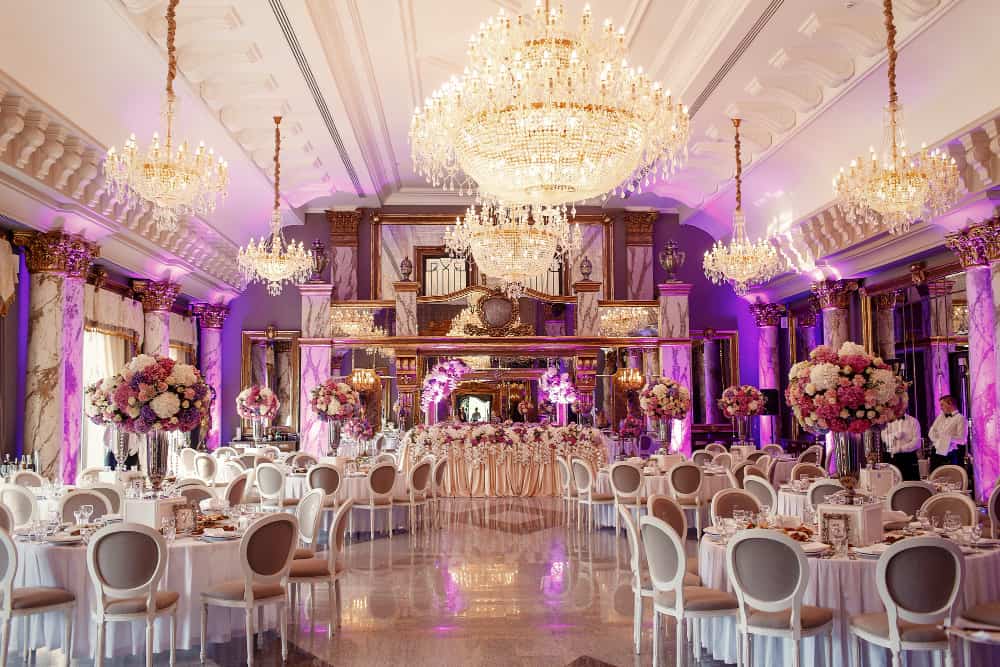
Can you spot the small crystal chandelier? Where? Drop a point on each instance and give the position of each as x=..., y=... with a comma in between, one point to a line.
x=742, y=262
x=622, y=321
x=548, y=114
x=171, y=179
x=630, y=379
x=363, y=379
x=901, y=187
x=514, y=243
x=273, y=260
x=355, y=323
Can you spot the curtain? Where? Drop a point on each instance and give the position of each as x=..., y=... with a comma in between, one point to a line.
x=103, y=356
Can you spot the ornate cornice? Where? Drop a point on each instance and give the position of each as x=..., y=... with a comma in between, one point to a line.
x=57, y=252
x=767, y=314
x=834, y=294
x=639, y=227
x=344, y=228
x=977, y=245
x=210, y=315
x=158, y=295
x=886, y=300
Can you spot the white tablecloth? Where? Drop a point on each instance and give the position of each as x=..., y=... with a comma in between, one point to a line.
x=192, y=566
x=354, y=486
x=657, y=484
x=790, y=502
x=849, y=588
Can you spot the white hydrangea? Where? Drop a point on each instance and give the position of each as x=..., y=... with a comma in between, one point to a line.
x=139, y=362
x=182, y=374
x=824, y=376
x=333, y=408
x=883, y=382
x=798, y=370
x=166, y=405
x=849, y=348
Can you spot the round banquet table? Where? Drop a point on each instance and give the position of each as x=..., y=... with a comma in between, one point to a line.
x=192, y=567
x=354, y=486
x=711, y=484
x=848, y=587
x=791, y=502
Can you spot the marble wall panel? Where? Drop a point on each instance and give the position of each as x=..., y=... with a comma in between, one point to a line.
x=640, y=272
x=157, y=338
x=674, y=316
x=315, y=368
x=44, y=386
x=835, y=327
x=72, y=353
x=406, y=313
x=983, y=377
x=885, y=333
x=588, y=317
x=675, y=360
x=210, y=350
x=767, y=358
x=344, y=273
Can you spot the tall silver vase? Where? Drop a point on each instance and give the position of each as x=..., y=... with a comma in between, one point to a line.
x=157, y=458
x=119, y=442
x=333, y=433
x=849, y=451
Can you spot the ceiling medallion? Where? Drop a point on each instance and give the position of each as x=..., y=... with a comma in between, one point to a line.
x=742, y=262
x=514, y=243
x=899, y=188
x=171, y=179
x=272, y=260
x=548, y=114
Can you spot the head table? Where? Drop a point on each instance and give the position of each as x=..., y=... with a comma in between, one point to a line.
x=848, y=587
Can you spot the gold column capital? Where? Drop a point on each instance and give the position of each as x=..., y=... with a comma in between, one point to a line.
x=834, y=294
x=57, y=252
x=344, y=228
x=210, y=315
x=156, y=295
x=767, y=314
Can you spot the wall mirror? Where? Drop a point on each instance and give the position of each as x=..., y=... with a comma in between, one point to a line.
x=271, y=359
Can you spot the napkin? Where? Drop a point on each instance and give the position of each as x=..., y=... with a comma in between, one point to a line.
x=894, y=516
x=785, y=521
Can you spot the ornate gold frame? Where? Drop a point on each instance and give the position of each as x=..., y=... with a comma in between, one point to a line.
x=512, y=327
x=246, y=373
x=467, y=388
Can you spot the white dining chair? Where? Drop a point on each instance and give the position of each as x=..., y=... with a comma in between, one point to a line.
x=74, y=500
x=28, y=601
x=114, y=495
x=727, y=501
x=716, y=448
x=955, y=502
x=329, y=570
x=822, y=489
x=801, y=470
x=90, y=475
x=568, y=488
x=769, y=574
x=6, y=520
x=235, y=492
x=27, y=478
x=126, y=563
x=267, y=549
x=303, y=460
x=270, y=478
x=773, y=449
x=21, y=502
x=684, y=484
x=586, y=494
x=228, y=470
x=194, y=494
x=665, y=557
x=723, y=460
x=223, y=454
x=626, y=486
x=379, y=495
x=205, y=467
x=185, y=462
x=668, y=510
x=702, y=457
x=309, y=512
x=918, y=608
x=418, y=483
x=438, y=489
x=762, y=490
x=328, y=478
x=909, y=497
x=993, y=511
x=952, y=474
x=813, y=454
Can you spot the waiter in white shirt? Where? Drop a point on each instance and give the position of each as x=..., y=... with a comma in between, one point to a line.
x=948, y=432
x=902, y=438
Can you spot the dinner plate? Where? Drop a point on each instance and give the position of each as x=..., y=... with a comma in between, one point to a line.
x=872, y=550
x=221, y=538
x=813, y=548
x=63, y=540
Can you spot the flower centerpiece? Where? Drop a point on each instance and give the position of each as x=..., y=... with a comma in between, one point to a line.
x=739, y=403
x=334, y=402
x=360, y=430
x=102, y=410
x=259, y=405
x=159, y=396
x=664, y=399
x=848, y=393
x=557, y=388
x=440, y=382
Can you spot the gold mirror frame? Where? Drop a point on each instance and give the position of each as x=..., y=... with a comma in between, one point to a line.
x=513, y=325
x=246, y=371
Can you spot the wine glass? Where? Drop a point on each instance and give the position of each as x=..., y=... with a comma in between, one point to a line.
x=924, y=519
x=951, y=522
x=88, y=511
x=78, y=515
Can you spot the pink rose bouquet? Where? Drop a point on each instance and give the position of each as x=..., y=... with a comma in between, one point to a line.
x=158, y=394
x=359, y=428
x=631, y=426
x=665, y=399
x=334, y=400
x=848, y=391
x=257, y=402
x=742, y=401
x=101, y=408
x=556, y=387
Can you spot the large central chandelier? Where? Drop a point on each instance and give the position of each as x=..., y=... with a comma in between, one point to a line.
x=170, y=178
x=899, y=188
x=742, y=262
x=549, y=115
x=272, y=260
x=514, y=243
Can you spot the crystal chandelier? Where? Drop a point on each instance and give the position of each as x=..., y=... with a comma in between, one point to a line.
x=363, y=379
x=356, y=323
x=171, y=179
x=899, y=188
x=548, y=114
x=742, y=262
x=514, y=243
x=273, y=260
x=622, y=321
x=630, y=379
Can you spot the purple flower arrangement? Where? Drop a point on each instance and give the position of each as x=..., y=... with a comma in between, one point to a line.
x=358, y=428
x=742, y=401
x=441, y=381
x=556, y=387
x=101, y=408
x=155, y=393
x=257, y=402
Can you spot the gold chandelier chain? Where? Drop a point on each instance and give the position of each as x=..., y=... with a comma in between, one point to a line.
x=739, y=167
x=890, y=45
x=277, y=162
x=171, y=67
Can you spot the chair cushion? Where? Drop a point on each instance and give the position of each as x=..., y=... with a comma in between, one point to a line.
x=163, y=599
x=309, y=567
x=988, y=614
x=290, y=502
x=302, y=553
x=233, y=590
x=690, y=499
x=599, y=497
x=878, y=624
x=697, y=598
x=647, y=585
x=691, y=565
x=812, y=617
x=39, y=596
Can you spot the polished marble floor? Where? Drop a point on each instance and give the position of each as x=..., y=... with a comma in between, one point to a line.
x=502, y=582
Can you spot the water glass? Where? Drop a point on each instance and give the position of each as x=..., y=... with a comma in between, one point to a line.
x=740, y=516
x=78, y=515
x=951, y=522
x=924, y=519
x=977, y=533
x=88, y=511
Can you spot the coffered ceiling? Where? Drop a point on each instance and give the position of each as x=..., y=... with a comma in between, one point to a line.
x=807, y=76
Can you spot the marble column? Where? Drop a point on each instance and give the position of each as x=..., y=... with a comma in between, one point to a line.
x=315, y=363
x=711, y=379
x=53, y=420
x=767, y=316
x=210, y=320
x=344, y=253
x=675, y=356
x=639, y=253
x=588, y=316
x=885, y=324
x=970, y=246
x=940, y=342
x=157, y=299
x=834, y=297
x=406, y=307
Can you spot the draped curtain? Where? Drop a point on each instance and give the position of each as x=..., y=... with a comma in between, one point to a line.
x=104, y=355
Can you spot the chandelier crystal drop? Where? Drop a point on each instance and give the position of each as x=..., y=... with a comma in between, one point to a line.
x=272, y=260
x=897, y=188
x=742, y=262
x=169, y=177
x=514, y=243
x=548, y=114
